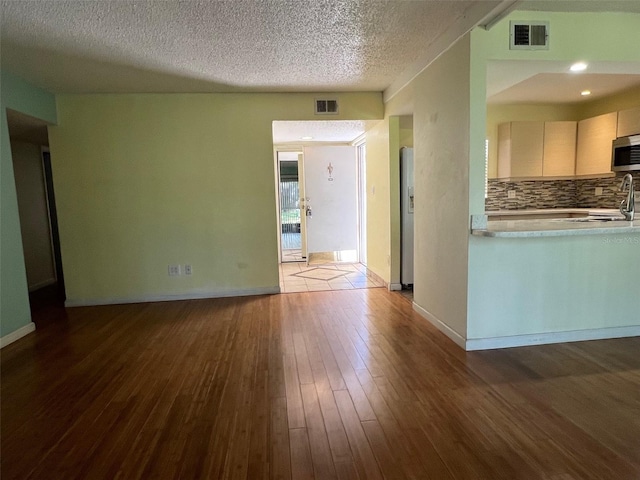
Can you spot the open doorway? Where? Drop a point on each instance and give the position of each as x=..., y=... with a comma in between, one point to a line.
x=289, y=196
x=37, y=211
x=324, y=167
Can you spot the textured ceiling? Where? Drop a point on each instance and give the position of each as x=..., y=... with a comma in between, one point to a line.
x=204, y=46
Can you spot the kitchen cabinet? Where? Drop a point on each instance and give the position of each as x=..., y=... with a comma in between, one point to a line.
x=595, y=135
x=520, y=149
x=559, y=150
x=628, y=122
x=536, y=149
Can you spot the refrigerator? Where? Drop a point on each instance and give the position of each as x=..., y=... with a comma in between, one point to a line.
x=406, y=215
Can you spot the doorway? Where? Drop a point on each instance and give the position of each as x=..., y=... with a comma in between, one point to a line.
x=290, y=195
x=37, y=212
x=324, y=163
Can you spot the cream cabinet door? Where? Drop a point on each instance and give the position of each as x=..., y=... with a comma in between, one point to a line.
x=504, y=150
x=629, y=122
x=526, y=149
x=559, y=157
x=595, y=136
x=520, y=146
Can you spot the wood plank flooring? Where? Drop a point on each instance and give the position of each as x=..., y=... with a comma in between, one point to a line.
x=325, y=385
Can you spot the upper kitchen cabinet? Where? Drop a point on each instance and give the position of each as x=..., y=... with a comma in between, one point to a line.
x=559, y=155
x=594, y=144
x=520, y=149
x=628, y=122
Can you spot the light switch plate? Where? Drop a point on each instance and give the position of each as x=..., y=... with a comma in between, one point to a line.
x=598, y=191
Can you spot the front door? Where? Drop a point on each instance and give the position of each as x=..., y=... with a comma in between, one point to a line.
x=330, y=177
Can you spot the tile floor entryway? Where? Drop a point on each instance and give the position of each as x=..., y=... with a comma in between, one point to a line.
x=300, y=277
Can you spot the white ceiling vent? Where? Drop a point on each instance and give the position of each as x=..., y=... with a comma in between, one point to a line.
x=326, y=106
x=529, y=35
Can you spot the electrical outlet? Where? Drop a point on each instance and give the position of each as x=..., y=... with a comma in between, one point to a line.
x=598, y=191
x=511, y=194
x=174, y=270
x=187, y=270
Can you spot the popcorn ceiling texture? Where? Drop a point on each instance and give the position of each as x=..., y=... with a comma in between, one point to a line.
x=77, y=46
x=539, y=194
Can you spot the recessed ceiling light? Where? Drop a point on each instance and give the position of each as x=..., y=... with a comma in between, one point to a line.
x=584, y=93
x=578, y=67
x=306, y=138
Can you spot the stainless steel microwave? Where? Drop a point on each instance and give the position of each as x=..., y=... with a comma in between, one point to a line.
x=626, y=154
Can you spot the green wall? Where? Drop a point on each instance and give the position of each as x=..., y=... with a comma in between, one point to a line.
x=145, y=181
x=23, y=97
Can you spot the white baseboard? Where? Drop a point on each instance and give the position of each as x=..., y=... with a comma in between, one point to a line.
x=88, y=302
x=17, y=334
x=395, y=286
x=443, y=327
x=43, y=284
x=529, y=339
x=551, y=337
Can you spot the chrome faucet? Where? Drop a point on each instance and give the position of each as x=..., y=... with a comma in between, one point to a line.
x=627, y=206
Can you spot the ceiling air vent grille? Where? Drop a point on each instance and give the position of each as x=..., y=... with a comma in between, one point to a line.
x=326, y=106
x=529, y=36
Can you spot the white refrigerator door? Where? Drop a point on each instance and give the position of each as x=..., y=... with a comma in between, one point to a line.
x=406, y=218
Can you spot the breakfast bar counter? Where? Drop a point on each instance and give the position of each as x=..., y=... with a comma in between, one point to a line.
x=545, y=223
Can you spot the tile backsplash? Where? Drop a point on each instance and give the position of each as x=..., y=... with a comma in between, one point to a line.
x=539, y=194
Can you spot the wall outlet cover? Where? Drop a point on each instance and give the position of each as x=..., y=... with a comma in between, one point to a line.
x=599, y=191
x=174, y=270
x=511, y=194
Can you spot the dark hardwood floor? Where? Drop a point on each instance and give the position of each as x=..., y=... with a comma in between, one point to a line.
x=340, y=384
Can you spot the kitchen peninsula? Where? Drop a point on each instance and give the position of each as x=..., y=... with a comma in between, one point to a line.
x=549, y=227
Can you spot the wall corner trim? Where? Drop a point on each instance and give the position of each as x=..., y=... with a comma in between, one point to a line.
x=440, y=325
x=17, y=334
x=90, y=302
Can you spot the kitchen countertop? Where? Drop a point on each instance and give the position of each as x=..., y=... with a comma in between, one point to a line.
x=551, y=211
x=551, y=227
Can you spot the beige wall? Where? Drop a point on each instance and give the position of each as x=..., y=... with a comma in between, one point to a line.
x=441, y=140
x=145, y=181
x=34, y=214
x=378, y=201
x=406, y=131
x=383, y=168
x=620, y=101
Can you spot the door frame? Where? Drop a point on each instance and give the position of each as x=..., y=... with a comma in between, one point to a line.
x=276, y=166
x=361, y=160
x=54, y=233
